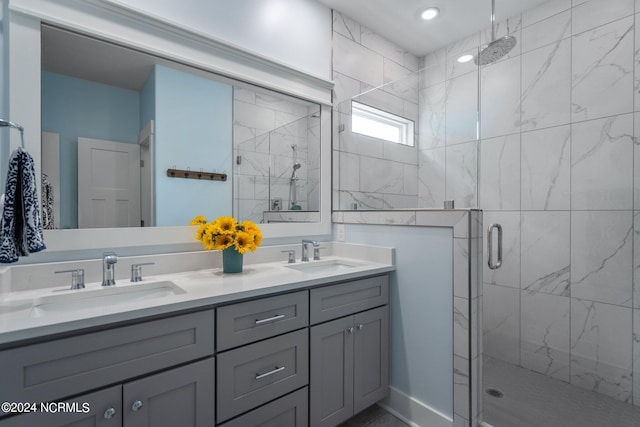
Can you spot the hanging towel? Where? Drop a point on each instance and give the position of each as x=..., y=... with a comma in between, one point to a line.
x=47, y=203
x=21, y=230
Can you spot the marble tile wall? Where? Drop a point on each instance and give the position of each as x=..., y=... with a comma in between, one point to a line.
x=265, y=128
x=371, y=173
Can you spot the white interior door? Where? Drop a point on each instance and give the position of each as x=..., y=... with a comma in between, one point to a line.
x=108, y=184
x=147, y=197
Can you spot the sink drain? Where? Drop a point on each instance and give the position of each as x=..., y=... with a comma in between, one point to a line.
x=494, y=392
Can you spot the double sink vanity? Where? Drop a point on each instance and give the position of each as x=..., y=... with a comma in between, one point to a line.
x=280, y=344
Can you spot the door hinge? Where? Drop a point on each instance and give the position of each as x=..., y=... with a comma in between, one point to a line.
x=141, y=163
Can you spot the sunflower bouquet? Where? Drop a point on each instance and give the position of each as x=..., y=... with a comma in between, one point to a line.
x=226, y=232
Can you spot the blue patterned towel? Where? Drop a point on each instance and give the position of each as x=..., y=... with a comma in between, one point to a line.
x=21, y=228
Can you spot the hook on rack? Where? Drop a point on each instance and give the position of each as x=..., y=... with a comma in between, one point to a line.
x=188, y=174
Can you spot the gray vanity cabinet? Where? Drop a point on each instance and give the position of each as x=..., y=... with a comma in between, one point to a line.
x=53, y=370
x=349, y=356
x=178, y=397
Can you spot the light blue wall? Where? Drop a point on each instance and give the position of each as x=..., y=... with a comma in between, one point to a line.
x=193, y=130
x=70, y=108
x=421, y=309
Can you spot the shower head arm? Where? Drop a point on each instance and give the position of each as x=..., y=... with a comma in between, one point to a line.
x=493, y=20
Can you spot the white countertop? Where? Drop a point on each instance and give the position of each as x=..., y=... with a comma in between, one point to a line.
x=21, y=320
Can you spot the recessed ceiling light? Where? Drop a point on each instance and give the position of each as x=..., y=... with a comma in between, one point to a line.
x=465, y=58
x=430, y=13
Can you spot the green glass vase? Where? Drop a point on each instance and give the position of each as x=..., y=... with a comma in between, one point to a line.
x=231, y=261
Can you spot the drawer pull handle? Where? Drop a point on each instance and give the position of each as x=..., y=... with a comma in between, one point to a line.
x=360, y=326
x=109, y=413
x=269, y=319
x=350, y=330
x=266, y=374
x=136, y=406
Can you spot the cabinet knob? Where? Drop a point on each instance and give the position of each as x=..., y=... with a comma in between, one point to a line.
x=350, y=330
x=360, y=326
x=136, y=406
x=109, y=413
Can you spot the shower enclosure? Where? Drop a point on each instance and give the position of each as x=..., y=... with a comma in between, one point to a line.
x=277, y=156
x=545, y=141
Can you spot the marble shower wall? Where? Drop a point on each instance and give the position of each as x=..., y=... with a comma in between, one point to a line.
x=368, y=172
x=264, y=129
x=558, y=150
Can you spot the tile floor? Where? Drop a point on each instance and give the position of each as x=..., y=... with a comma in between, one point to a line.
x=534, y=400
x=374, y=416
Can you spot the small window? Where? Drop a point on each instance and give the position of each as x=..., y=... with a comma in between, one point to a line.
x=376, y=123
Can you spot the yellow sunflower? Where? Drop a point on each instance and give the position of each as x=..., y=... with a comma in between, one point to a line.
x=226, y=224
x=223, y=241
x=244, y=242
x=199, y=220
x=208, y=238
x=202, y=229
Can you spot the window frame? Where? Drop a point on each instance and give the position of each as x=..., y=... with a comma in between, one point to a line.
x=404, y=125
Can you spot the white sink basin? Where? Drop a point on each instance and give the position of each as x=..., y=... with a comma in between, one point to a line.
x=326, y=266
x=94, y=299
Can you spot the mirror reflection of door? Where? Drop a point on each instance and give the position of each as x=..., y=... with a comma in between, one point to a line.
x=108, y=184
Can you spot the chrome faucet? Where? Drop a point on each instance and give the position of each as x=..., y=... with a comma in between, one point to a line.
x=77, y=277
x=108, y=268
x=305, y=249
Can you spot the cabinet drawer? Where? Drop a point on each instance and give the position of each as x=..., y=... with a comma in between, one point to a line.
x=257, y=373
x=250, y=321
x=331, y=302
x=288, y=411
x=60, y=368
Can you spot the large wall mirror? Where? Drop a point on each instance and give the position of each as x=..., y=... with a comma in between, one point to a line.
x=130, y=139
x=92, y=82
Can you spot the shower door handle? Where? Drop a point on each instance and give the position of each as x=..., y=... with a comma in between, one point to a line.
x=494, y=265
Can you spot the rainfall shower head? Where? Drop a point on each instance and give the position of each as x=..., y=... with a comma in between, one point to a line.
x=497, y=48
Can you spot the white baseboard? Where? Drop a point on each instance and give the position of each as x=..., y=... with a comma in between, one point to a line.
x=414, y=412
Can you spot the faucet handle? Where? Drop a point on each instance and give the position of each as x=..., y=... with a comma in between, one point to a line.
x=136, y=271
x=316, y=252
x=292, y=256
x=77, y=277
x=110, y=257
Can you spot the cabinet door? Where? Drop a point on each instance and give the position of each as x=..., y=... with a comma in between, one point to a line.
x=331, y=382
x=371, y=357
x=180, y=397
x=103, y=409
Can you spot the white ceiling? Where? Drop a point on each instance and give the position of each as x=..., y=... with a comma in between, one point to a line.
x=400, y=22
